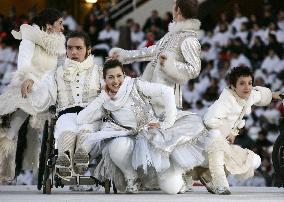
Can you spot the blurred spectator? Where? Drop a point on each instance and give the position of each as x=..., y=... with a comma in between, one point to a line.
x=93, y=34
x=108, y=38
x=239, y=59
x=68, y=21
x=280, y=20
x=167, y=19
x=137, y=36
x=238, y=20
x=92, y=20
x=222, y=36
x=262, y=141
x=154, y=19
x=270, y=62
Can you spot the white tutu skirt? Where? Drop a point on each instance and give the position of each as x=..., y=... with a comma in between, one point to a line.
x=183, y=145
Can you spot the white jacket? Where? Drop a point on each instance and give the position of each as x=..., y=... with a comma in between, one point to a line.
x=123, y=104
x=33, y=64
x=74, y=84
x=182, y=49
x=226, y=114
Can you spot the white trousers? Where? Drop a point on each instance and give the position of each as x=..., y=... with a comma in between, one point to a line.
x=170, y=181
x=120, y=150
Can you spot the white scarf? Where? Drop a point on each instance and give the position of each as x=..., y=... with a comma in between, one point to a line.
x=241, y=101
x=72, y=67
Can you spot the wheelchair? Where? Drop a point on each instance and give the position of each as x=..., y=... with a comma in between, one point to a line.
x=278, y=156
x=47, y=177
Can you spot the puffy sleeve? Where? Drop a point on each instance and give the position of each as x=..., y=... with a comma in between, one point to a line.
x=130, y=56
x=53, y=43
x=93, y=112
x=261, y=96
x=166, y=94
x=44, y=93
x=181, y=72
x=26, y=52
x=216, y=113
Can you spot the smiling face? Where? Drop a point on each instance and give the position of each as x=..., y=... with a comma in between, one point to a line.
x=243, y=86
x=114, y=79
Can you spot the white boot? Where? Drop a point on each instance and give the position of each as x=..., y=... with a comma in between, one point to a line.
x=217, y=170
x=120, y=151
x=81, y=156
x=187, y=184
x=66, y=145
x=8, y=150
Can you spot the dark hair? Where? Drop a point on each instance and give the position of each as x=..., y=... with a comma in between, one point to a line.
x=188, y=8
x=238, y=72
x=81, y=35
x=110, y=64
x=46, y=16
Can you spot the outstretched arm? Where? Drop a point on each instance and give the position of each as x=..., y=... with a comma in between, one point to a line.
x=130, y=56
x=92, y=112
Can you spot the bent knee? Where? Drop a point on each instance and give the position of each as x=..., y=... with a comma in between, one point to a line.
x=256, y=161
x=120, y=147
x=172, y=184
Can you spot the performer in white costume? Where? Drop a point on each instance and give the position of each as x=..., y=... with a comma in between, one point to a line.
x=175, y=59
x=40, y=47
x=224, y=119
x=135, y=139
x=70, y=87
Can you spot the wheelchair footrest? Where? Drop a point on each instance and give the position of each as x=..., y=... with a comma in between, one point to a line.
x=87, y=180
x=69, y=181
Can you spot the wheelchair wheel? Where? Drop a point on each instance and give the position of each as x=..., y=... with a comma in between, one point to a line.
x=107, y=186
x=46, y=158
x=47, y=187
x=114, y=188
x=278, y=158
x=42, y=157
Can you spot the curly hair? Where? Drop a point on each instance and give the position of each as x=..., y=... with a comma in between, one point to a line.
x=46, y=16
x=238, y=72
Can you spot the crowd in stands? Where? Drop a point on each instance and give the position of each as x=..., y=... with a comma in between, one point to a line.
x=253, y=41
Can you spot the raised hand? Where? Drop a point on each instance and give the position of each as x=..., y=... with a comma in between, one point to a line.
x=26, y=87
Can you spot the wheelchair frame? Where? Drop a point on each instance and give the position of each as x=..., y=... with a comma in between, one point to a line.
x=47, y=178
x=278, y=156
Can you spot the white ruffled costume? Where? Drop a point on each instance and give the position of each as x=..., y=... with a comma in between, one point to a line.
x=129, y=146
x=223, y=118
x=71, y=86
x=38, y=53
x=182, y=49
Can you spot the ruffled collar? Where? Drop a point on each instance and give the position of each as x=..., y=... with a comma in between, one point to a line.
x=72, y=68
x=186, y=25
x=241, y=101
x=121, y=96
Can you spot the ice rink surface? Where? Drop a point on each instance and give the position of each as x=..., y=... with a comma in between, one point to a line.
x=199, y=194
